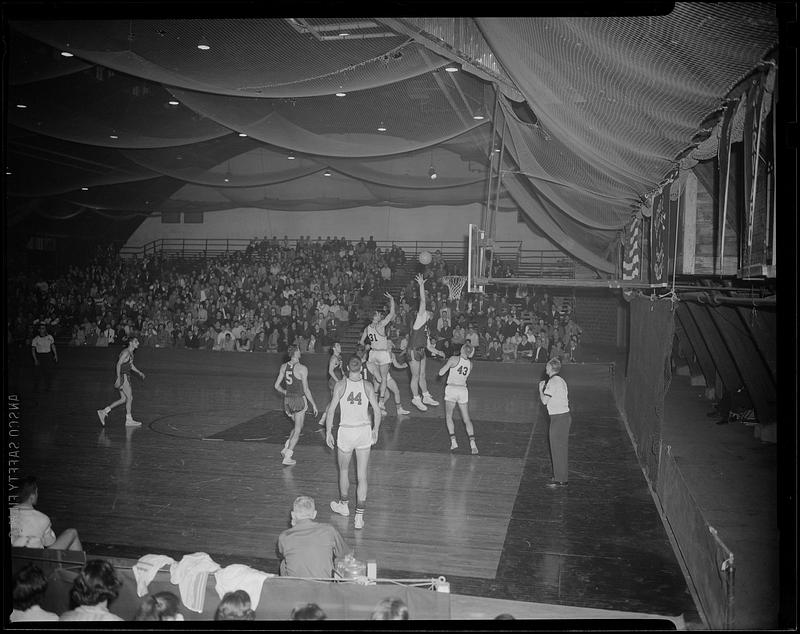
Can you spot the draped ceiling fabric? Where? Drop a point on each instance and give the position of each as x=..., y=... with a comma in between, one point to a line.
x=610, y=103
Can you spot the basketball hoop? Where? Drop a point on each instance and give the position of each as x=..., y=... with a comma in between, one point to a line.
x=455, y=283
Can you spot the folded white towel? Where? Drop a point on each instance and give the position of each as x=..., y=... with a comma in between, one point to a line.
x=241, y=577
x=190, y=574
x=146, y=568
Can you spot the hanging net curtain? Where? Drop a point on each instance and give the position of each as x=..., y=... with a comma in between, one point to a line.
x=615, y=99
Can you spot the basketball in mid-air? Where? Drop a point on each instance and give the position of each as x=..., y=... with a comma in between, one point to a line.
x=425, y=257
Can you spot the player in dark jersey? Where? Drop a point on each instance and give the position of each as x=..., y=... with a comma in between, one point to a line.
x=125, y=367
x=418, y=342
x=292, y=382
x=335, y=374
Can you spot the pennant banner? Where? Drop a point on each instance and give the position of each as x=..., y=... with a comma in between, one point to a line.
x=751, y=142
x=723, y=163
x=631, y=263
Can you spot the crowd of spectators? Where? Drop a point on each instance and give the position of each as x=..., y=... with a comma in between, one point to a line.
x=264, y=298
x=278, y=292
x=508, y=323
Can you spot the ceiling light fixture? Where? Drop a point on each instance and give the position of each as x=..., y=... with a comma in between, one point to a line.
x=242, y=134
x=381, y=127
x=113, y=136
x=84, y=189
x=66, y=54
x=8, y=172
x=432, y=173
x=479, y=116
x=172, y=102
x=21, y=105
x=203, y=44
x=343, y=34
x=327, y=172
x=451, y=68
x=341, y=94
x=291, y=157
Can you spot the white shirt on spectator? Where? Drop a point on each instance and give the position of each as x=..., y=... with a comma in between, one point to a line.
x=33, y=613
x=30, y=528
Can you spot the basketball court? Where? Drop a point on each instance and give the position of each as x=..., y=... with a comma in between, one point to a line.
x=204, y=473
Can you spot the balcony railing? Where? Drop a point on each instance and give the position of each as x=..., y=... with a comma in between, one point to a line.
x=523, y=262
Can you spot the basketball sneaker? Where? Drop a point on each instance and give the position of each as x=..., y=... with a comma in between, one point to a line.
x=287, y=458
x=402, y=410
x=453, y=444
x=417, y=402
x=342, y=508
x=129, y=422
x=101, y=413
x=429, y=400
x=473, y=448
x=358, y=521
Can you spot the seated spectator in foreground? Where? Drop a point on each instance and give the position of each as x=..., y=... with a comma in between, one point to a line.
x=30, y=585
x=161, y=606
x=31, y=528
x=309, y=612
x=308, y=548
x=390, y=610
x=235, y=606
x=94, y=588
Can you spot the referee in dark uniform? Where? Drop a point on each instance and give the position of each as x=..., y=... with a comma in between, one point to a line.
x=43, y=350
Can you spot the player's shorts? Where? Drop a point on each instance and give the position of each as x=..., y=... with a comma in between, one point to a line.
x=456, y=393
x=355, y=437
x=418, y=354
x=293, y=404
x=380, y=357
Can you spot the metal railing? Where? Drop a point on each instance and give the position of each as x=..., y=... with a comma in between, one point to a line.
x=524, y=262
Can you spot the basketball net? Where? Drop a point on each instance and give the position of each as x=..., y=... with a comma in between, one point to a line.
x=455, y=283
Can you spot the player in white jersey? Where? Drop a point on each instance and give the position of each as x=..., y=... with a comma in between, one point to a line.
x=353, y=395
x=374, y=336
x=458, y=369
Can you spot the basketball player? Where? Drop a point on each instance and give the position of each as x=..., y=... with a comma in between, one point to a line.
x=123, y=384
x=335, y=374
x=374, y=336
x=292, y=382
x=458, y=369
x=353, y=395
x=418, y=342
x=369, y=373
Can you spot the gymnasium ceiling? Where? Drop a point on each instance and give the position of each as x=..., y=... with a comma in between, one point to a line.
x=592, y=113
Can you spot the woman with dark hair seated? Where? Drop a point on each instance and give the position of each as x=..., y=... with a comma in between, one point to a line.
x=30, y=585
x=235, y=606
x=161, y=606
x=308, y=612
x=94, y=588
x=390, y=609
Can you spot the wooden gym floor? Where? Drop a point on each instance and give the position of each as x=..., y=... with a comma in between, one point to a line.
x=204, y=473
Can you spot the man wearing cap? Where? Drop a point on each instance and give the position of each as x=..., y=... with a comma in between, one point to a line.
x=353, y=396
